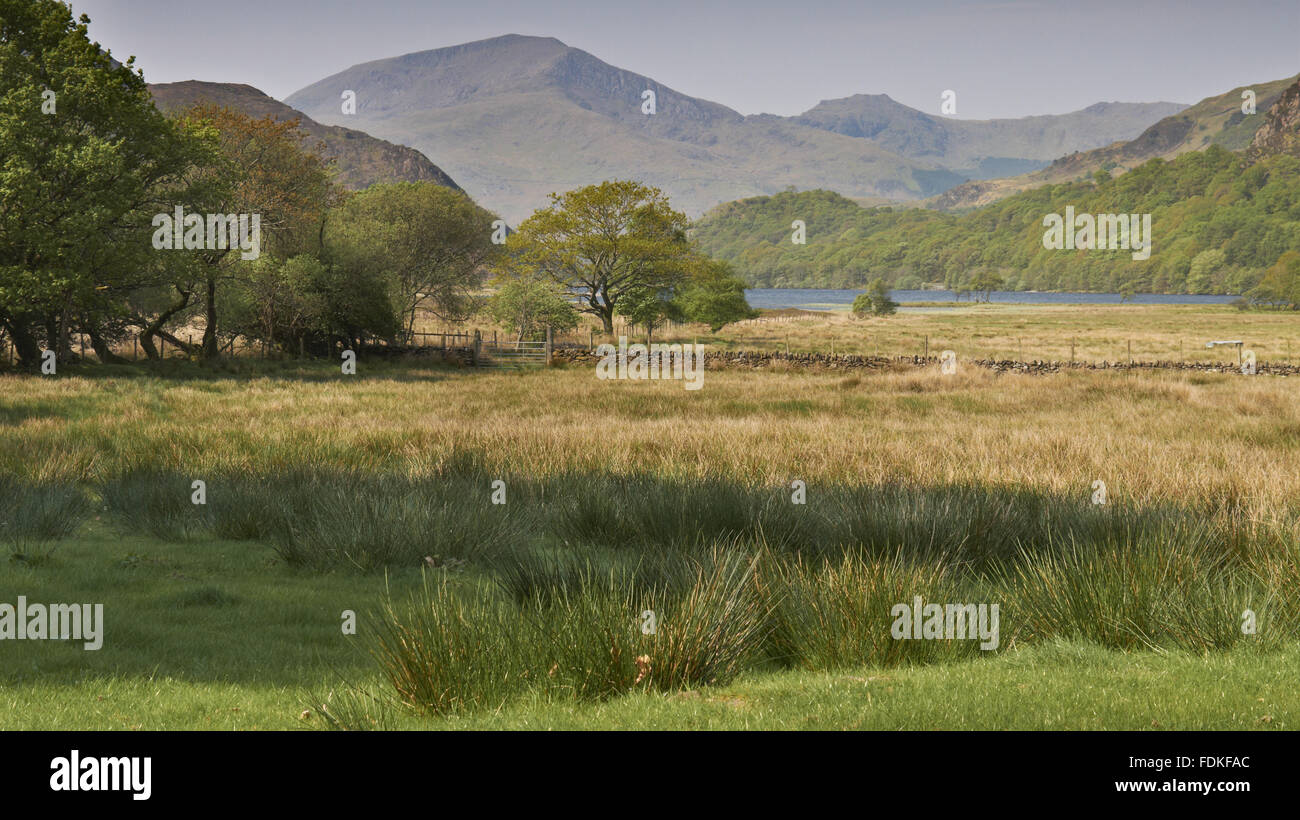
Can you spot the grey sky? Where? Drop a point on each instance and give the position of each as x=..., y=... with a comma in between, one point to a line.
x=1004, y=59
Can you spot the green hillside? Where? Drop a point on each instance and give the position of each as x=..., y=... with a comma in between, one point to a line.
x=1218, y=222
x=1217, y=120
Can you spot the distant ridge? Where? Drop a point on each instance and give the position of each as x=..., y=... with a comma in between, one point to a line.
x=1215, y=120
x=359, y=159
x=984, y=148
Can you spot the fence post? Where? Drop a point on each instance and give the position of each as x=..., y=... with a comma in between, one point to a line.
x=591, y=340
x=478, y=344
x=550, y=345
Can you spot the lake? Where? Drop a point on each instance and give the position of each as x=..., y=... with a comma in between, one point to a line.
x=834, y=299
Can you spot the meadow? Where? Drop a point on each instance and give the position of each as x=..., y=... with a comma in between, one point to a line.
x=374, y=494
x=1025, y=332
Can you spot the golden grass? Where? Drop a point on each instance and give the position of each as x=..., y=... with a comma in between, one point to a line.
x=1151, y=436
x=1031, y=332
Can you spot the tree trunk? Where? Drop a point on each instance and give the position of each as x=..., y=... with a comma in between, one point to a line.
x=20, y=333
x=155, y=328
x=211, y=350
x=102, y=350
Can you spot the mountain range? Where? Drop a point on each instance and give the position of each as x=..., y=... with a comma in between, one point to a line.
x=515, y=118
x=1217, y=120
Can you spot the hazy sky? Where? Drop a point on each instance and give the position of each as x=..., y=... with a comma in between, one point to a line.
x=1004, y=59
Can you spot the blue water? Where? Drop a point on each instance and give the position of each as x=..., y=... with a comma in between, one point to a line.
x=830, y=299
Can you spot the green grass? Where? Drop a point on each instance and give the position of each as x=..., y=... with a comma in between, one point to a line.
x=374, y=495
x=224, y=634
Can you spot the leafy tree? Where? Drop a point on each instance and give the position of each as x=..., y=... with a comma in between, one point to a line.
x=985, y=282
x=1281, y=283
x=530, y=304
x=260, y=167
x=84, y=151
x=607, y=242
x=875, y=300
x=714, y=295
x=650, y=308
x=431, y=243
x=1203, y=270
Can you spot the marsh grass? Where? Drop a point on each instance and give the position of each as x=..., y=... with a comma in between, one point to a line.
x=34, y=517
x=627, y=497
x=449, y=651
x=838, y=614
x=158, y=504
x=1176, y=589
x=373, y=523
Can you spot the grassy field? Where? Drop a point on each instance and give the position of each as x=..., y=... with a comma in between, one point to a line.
x=1020, y=332
x=374, y=494
x=217, y=636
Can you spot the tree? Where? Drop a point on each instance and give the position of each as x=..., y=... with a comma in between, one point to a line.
x=607, y=242
x=650, y=307
x=1204, y=269
x=714, y=295
x=431, y=243
x=530, y=304
x=985, y=282
x=1281, y=283
x=84, y=151
x=260, y=168
x=875, y=300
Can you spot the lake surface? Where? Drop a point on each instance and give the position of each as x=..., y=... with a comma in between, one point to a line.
x=832, y=299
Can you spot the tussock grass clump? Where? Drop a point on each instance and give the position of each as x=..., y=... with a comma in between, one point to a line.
x=372, y=523
x=1177, y=588
x=447, y=651
x=35, y=516
x=540, y=575
x=157, y=503
x=976, y=525
x=836, y=614
x=651, y=512
x=709, y=634
x=444, y=652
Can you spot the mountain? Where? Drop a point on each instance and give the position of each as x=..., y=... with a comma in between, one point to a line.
x=1215, y=120
x=359, y=159
x=981, y=149
x=1280, y=133
x=516, y=118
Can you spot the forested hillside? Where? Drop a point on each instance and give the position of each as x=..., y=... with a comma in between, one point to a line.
x=1219, y=222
